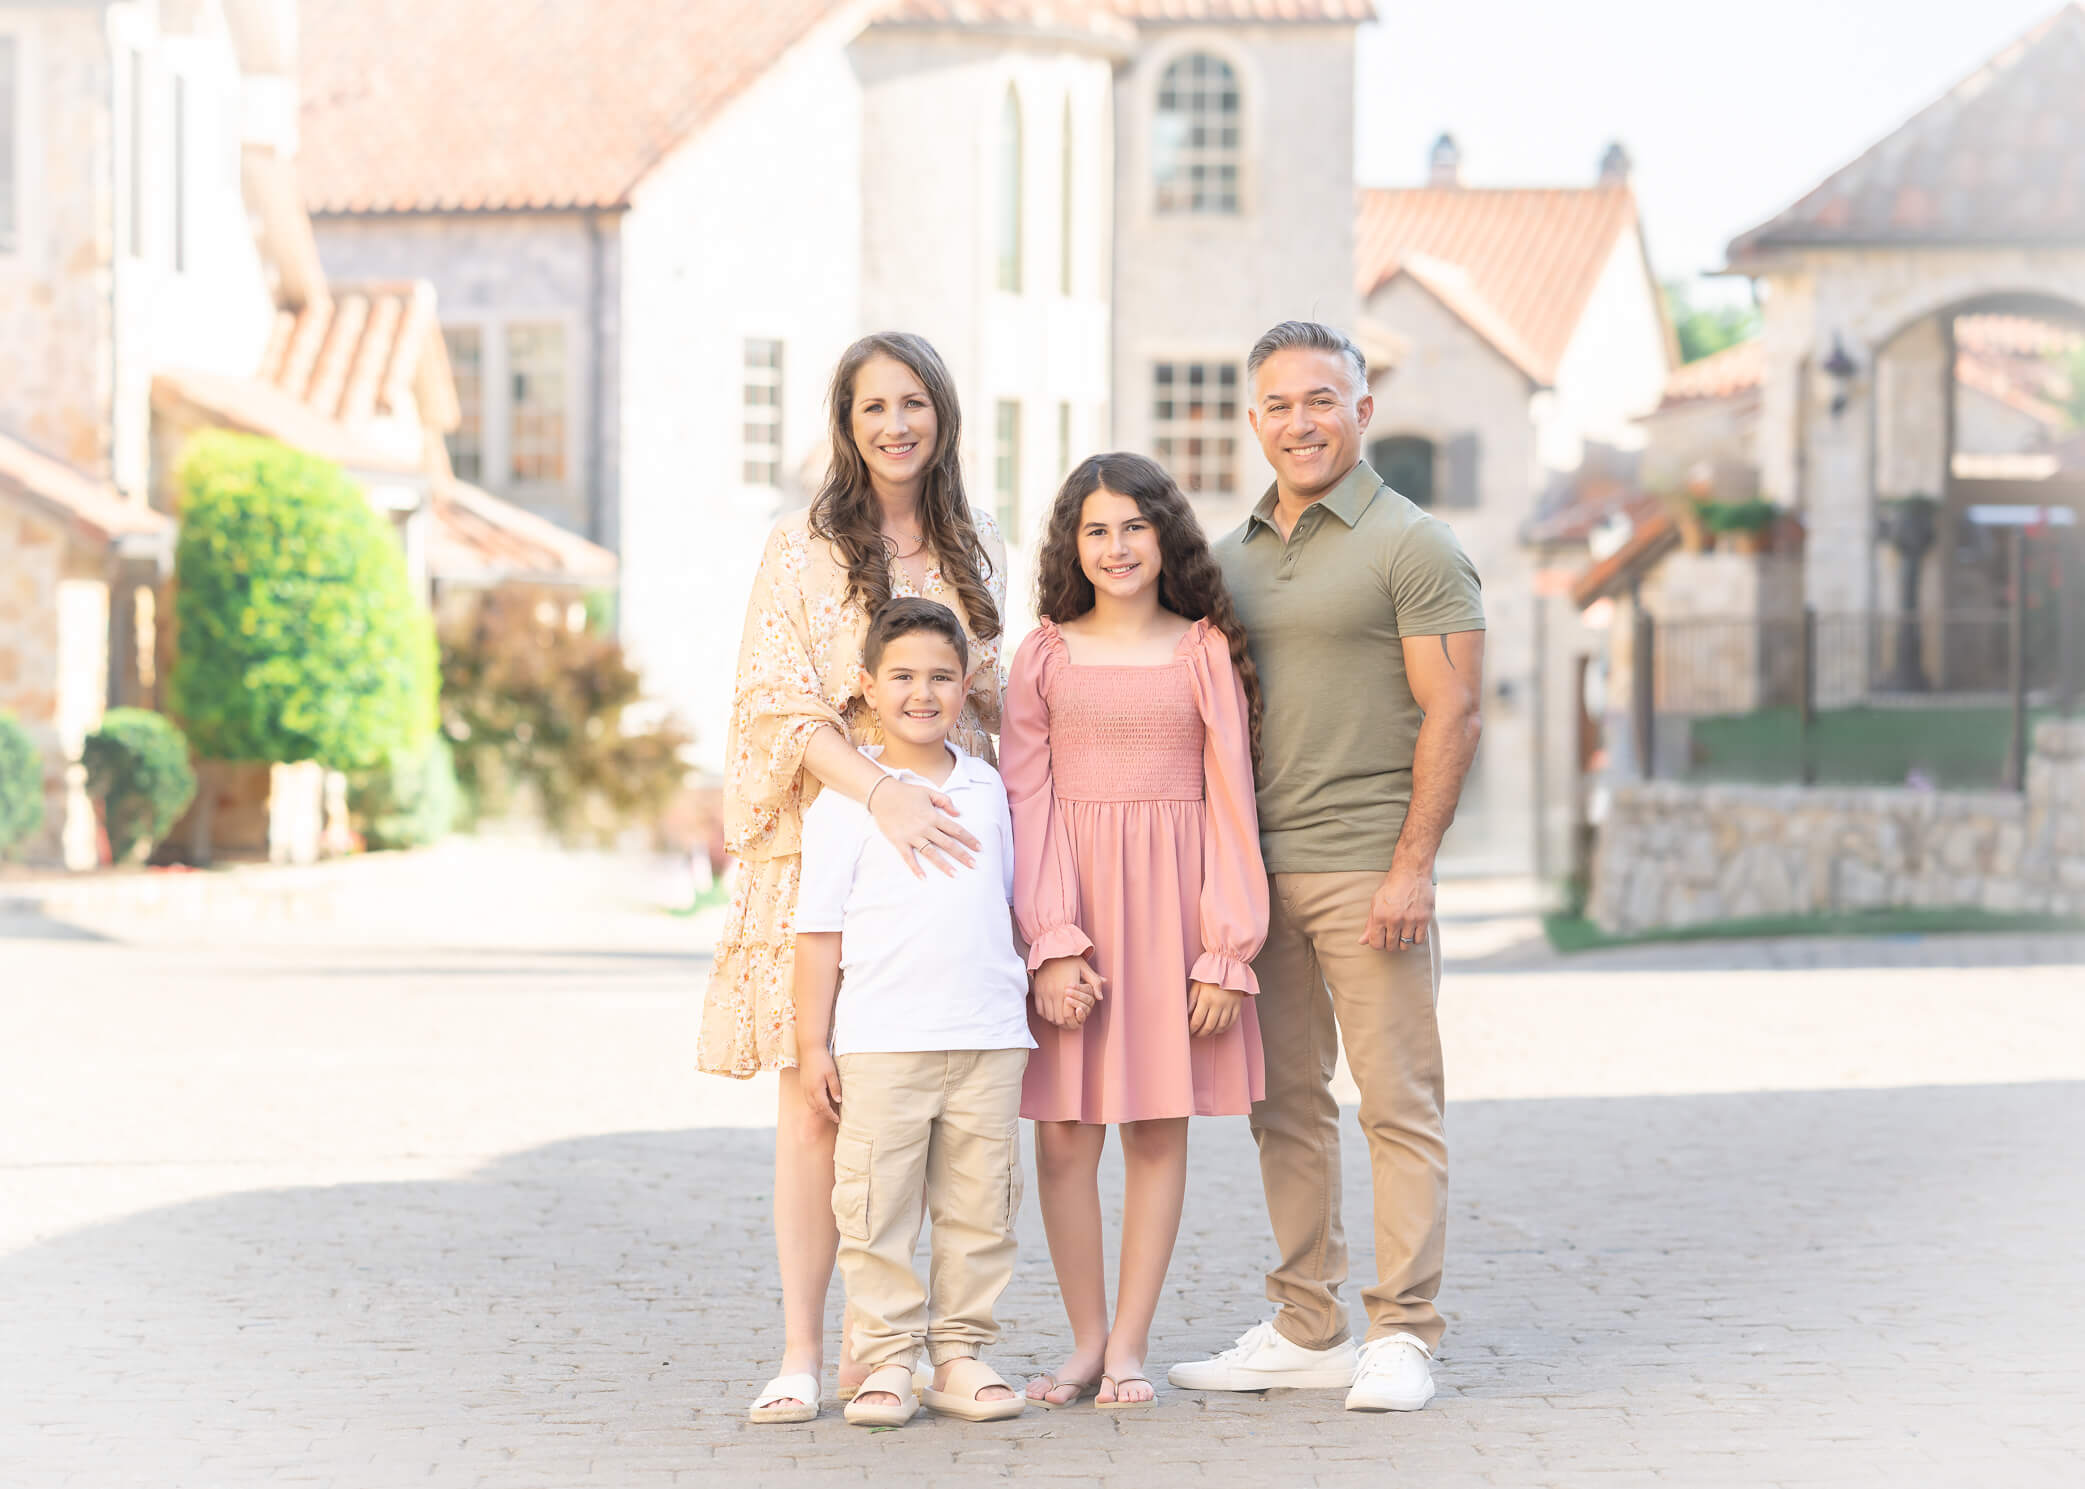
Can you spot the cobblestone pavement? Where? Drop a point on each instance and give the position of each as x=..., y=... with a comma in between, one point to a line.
x=418, y=1190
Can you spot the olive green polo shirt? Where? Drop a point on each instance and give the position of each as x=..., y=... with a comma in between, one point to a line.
x=1325, y=616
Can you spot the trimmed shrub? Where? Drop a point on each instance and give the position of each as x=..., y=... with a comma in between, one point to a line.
x=21, y=783
x=299, y=636
x=137, y=768
x=409, y=801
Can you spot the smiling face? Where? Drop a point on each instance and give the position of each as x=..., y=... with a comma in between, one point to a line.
x=1118, y=546
x=1309, y=417
x=917, y=688
x=893, y=421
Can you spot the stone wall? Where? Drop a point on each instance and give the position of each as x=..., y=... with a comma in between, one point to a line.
x=1673, y=855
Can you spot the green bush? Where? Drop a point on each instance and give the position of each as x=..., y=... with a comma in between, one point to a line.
x=1737, y=517
x=21, y=783
x=137, y=768
x=410, y=800
x=299, y=636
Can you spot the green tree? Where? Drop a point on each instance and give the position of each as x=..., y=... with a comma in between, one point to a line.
x=299, y=636
x=137, y=768
x=1707, y=329
x=21, y=783
x=2075, y=372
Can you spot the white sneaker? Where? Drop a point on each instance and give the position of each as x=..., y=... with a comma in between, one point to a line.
x=1393, y=1375
x=1262, y=1359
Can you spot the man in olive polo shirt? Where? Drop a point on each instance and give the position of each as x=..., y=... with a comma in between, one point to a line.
x=1364, y=619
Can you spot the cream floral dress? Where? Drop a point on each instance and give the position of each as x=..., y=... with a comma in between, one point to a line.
x=799, y=667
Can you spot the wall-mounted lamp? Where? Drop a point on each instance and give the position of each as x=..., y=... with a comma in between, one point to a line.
x=1841, y=369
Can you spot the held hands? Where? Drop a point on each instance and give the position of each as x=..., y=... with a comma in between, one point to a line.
x=920, y=823
x=1066, y=988
x=1212, y=1009
x=1400, y=912
x=820, y=1079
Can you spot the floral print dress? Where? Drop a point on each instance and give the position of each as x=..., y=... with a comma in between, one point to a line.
x=799, y=669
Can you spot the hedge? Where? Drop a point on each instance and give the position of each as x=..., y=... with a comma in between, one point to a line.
x=21, y=783
x=137, y=767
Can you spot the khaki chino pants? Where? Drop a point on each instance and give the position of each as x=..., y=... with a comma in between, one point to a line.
x=937, y=1133
x=1317, y=982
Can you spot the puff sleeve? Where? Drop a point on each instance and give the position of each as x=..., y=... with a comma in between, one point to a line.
x=1234, y=877
x=1046, y=875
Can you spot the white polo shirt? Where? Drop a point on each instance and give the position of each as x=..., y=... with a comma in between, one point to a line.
x=926, y=964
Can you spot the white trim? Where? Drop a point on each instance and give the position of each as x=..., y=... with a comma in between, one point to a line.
x=28, y=161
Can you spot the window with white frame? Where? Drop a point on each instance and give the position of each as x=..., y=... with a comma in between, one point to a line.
x=762, y=423
x=536, y=425
x=136, y=161
x=179, y=145
x=10, y=146
x=1009, y=269
x=467, y=367
x=1194, y=422
x=1006, y=465
x=1063, y=440
x=1064, y=210
x=1196, y=136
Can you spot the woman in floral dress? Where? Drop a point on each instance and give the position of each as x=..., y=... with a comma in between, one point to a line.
x=892, y=519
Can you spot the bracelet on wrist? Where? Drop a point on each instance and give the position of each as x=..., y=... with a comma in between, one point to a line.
x=869, y=801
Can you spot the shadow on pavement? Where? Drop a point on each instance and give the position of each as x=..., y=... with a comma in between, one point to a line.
x=612, y=1299
x=28, y=923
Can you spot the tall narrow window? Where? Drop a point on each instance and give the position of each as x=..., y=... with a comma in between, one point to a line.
x=137, y=155
x=536, y=409
x=1064, y=217
x=1195, y=136
x=1194, y=420
x=762, y=425
x=1009, y=277
x=467, y=366
x=1063, y=440
x=180, y=173
x=1006, y=466
x=10, y=148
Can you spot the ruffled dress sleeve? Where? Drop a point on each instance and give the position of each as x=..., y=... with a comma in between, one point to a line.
x=1234, y=877
x=1046, y=874
x=779, y=704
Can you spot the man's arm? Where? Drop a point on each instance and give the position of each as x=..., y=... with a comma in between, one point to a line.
x=1446, y=674
x=817, y=985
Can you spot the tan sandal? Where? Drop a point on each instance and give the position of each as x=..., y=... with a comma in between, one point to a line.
x=892, y=1380
x=1118, y=1383
x=968, y=1376
x=799, y=1391
x=1083, y=1388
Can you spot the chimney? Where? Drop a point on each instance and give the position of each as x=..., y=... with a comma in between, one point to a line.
x=1614, y=166
x=1444, y=164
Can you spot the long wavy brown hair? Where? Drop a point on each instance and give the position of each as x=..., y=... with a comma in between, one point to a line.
x=845, y=512
x=1189, y=582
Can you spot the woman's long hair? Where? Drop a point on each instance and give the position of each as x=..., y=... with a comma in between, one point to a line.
x=1189, y=582
x=845, y=512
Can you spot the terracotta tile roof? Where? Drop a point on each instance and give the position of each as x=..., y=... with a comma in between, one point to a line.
x=1999, y=159
x=1102, y=18
x=1518, y=264
x=468, y=105
x=255, y=407
x=1351, y=12
x=478, y=539
x=1655, y=536
x=93, y=509
x=1591, y=503
x=1730, y=373
x=367, y=352
x=2017, y=335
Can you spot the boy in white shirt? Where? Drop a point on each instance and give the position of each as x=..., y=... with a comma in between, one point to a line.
x=928, y=1044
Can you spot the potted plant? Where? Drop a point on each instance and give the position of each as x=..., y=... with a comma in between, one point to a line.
x=1740, y=526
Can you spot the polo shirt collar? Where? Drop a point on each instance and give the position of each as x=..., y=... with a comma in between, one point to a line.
x=965, y=772
x=1346, y=501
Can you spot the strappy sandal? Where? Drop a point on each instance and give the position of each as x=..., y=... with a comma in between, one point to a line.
x=966, y=1378
x=1084, y=1388
x=1118, y=1382
x=801, y=1389
x=884, y=1380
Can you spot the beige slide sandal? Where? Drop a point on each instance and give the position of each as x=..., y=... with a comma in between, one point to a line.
x=967, y=1377
x=895, y=1380
x=799, y=1391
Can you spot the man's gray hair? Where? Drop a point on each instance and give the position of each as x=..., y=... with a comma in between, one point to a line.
x=1311, y=336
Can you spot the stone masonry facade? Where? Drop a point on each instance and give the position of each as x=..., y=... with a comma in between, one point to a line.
x=1673, y=855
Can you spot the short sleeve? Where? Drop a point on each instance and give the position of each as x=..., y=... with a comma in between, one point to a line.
x=832, y=846
x=1434, y=587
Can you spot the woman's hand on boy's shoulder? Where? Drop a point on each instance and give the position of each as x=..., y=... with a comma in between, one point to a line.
x=820, y=1079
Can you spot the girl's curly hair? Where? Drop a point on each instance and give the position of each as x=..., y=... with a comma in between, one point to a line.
x=1189, y=582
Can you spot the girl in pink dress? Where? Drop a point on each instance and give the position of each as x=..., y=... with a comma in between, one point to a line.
x=1128, y=747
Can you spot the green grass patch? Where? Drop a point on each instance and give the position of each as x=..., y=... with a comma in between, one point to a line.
x=1863, y=746
x=1568, y=932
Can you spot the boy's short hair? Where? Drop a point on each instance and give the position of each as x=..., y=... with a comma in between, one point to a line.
x=902, y=617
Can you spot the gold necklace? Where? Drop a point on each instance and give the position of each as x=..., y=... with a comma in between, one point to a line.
x=890, y=546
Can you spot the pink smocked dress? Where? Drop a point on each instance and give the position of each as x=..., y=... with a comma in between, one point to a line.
x=1136, y=843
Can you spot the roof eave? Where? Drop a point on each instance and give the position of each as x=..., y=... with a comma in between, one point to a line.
x=1114, y=47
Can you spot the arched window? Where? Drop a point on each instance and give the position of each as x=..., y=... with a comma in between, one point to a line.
x=1010, y=194
x=1195, y=136
x=1405, y=462
x=1064, y=239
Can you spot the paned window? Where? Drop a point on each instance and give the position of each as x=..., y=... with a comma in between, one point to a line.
x=1006, y=466
x=467, y=366
x=1009, y=276
x=137, y=155
x=180, y=173
x=536, y=406
x=10, y=147
x=762, y=424
x=1063, y=440
x=1064, y=223
x=1196, y=140
x=1194, y=422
